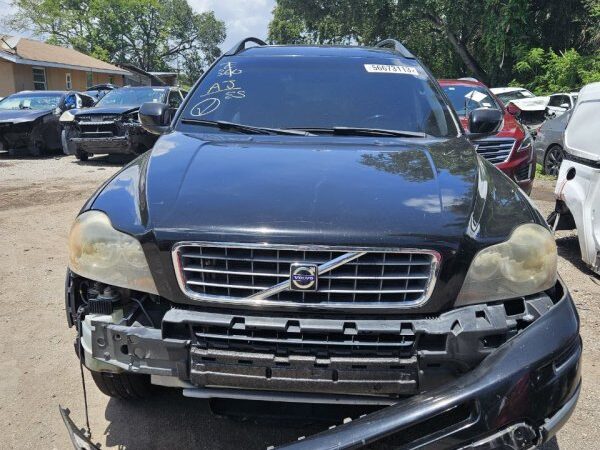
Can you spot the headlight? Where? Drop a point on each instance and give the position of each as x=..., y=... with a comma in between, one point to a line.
x=67, y=116
x=525, y=264
x=131, y=117
x=526, y=144
x=101, y=253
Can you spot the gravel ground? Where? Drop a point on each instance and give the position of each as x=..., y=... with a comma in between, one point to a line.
x=38, y=370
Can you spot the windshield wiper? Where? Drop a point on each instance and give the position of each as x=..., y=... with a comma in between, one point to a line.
x=356, y=131
x=223, y=125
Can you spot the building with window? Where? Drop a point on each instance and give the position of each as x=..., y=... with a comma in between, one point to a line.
x=26, y=64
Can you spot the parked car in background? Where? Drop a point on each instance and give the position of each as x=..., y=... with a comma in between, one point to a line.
x=112, y=125
x=314, y=225
x=100, y=90
x=578, y=185
x=529, y=108
x=560, y=103
x=549, y=143
x=511, y=149
x=29, y=120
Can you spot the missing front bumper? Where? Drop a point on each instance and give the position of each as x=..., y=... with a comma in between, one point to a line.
x=533, y=378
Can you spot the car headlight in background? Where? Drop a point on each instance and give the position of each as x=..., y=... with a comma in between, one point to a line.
x=131, y=117
x=526, y=144
x=523, y=265
x=67, y=116
x=101, y=253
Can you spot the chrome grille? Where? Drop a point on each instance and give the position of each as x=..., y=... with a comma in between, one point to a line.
x=97, y=118
x=255, y=274
x=495, y=150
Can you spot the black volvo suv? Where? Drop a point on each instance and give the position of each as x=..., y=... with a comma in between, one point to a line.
x=314, y=225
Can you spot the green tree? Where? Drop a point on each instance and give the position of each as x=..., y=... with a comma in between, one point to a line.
x=483, y=38
x=150, y=34
x=547, y=72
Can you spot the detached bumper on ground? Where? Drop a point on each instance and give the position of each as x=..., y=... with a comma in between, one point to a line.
x=522, y=392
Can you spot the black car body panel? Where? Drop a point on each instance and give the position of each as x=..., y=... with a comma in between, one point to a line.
x=496, y=371
x=537, y=388
x=19, y=129
x=108, y=129
x=35, y=130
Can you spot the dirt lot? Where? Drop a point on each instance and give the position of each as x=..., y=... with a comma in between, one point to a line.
x=38, y=370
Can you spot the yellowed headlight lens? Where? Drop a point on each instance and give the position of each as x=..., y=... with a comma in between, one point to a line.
x=523, y=265
x=101, y=253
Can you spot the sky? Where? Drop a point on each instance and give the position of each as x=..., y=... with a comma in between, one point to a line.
x=242, y=18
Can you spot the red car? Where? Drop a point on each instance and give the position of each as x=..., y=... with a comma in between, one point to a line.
x=511, y=150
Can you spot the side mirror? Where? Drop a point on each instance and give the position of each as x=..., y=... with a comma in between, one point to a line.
x=155, y=117
x=484, y=122
x=565, y=105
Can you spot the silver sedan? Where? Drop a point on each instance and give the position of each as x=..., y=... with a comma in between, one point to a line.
x=549, y=143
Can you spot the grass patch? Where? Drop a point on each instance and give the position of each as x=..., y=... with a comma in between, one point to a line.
x=540, y=176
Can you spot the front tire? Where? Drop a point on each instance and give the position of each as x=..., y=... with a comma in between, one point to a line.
x=37, y=148
x=552, y=160
x=81, y=155
x=124, y=386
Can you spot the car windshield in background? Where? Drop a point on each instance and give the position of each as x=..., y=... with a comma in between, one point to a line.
x=320, y=94
x=468, y=98
x=132, y=96
x=507, y=97
x=33, y=102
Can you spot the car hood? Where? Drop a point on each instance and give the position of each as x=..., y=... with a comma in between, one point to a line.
x=21, y=115
x=105, y=110
x=339, y=191
x=532, y=104
x=315, y=189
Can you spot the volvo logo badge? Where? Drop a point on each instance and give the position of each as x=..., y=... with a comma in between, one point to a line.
x=304, y=277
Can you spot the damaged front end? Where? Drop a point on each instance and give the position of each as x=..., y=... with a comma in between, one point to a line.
x=481, y=376
x=92, y=133
x=31, y=136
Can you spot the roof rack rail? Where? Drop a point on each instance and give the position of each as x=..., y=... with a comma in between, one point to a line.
x=242, y=45
x=397, y=45
x=468, y=79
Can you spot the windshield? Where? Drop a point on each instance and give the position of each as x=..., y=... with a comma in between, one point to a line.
x=320, y=93
x=507, y=97
x=34, y=102
x=468, y=98
x=132, y=96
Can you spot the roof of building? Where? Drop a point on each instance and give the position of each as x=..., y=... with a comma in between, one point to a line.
x=163, y=74
x=28, y=51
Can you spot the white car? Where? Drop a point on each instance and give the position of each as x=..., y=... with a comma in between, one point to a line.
x=530, y=108
x=578, y=185
x=560, y=104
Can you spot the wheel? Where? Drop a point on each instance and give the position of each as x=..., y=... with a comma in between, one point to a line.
x=81, y=155
x=36, y=148
x=125, y=386
x=64, y=140
x=553, y=160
